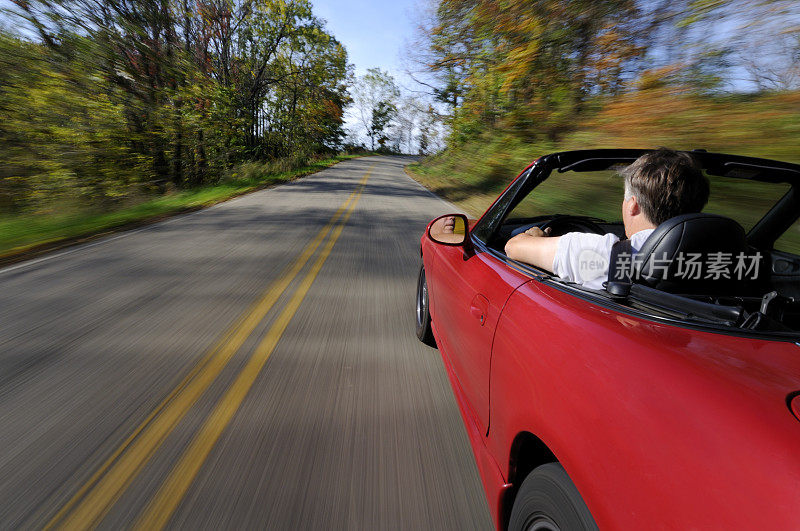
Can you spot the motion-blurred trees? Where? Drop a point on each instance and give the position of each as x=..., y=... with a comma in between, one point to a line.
x=118, y=96
x=529, y=64
x=540, y=68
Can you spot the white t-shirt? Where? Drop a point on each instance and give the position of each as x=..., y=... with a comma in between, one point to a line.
x=583, y=258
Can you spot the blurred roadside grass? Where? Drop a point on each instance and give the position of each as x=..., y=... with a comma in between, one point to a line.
x=24, y=234
x=472, y=174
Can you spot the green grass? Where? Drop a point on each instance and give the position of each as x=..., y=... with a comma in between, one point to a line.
x=22, y=234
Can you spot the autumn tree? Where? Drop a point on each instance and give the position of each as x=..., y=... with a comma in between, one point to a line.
x=526, y=63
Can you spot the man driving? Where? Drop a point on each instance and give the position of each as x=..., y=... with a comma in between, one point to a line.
x=659, y=185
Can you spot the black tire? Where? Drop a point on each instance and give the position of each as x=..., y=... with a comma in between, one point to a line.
x=548, y=500
x=423, y=313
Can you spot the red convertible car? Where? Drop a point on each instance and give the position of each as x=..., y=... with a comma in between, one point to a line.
x=649, y=404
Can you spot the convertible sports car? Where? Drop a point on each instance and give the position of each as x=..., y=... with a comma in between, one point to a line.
x=656, y=403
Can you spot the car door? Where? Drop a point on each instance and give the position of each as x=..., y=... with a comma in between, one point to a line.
x=468, y=294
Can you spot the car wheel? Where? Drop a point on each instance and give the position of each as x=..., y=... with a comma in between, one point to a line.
x=549, y=501
x=424, y=332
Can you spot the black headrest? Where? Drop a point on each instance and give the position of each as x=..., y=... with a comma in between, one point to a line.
x=727, y=265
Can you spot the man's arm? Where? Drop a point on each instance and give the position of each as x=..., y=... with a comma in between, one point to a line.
x=533, y=247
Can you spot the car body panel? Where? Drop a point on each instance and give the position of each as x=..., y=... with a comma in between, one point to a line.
x=469, y=295
x=658, y=426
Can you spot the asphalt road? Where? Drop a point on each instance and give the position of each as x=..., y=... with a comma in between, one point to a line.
x=252, y=365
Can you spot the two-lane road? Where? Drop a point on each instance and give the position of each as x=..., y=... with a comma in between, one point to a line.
x=252, y=365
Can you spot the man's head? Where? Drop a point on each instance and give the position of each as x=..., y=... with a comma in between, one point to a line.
x=660, y=185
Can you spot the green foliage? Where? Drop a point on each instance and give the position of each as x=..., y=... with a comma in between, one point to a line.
x=116, y=100
x=60, y=139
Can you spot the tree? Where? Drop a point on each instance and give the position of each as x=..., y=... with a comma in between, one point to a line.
x=375, y=96
x=382, y=115
x=428, y=131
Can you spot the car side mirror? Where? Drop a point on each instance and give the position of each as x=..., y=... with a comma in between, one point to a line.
x=452, y=230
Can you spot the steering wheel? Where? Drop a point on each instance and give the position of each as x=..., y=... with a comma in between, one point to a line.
x=580, y=223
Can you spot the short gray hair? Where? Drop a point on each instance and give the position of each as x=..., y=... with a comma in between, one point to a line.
x=666, y=184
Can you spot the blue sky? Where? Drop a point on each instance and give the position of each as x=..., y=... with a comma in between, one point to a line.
x=373, y=31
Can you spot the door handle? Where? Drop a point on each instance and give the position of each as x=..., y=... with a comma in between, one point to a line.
x=479, y=308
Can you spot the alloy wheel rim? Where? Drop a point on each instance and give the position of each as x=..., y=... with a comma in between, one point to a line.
x=422, y=299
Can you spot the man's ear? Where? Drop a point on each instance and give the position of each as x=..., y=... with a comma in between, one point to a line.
x=632, y=206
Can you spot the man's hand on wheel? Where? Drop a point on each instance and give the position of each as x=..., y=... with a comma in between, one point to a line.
x=536, y=231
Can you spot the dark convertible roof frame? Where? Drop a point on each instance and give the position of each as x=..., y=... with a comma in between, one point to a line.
x=735, y=166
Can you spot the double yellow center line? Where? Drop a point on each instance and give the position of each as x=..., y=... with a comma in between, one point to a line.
x=99, y=494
